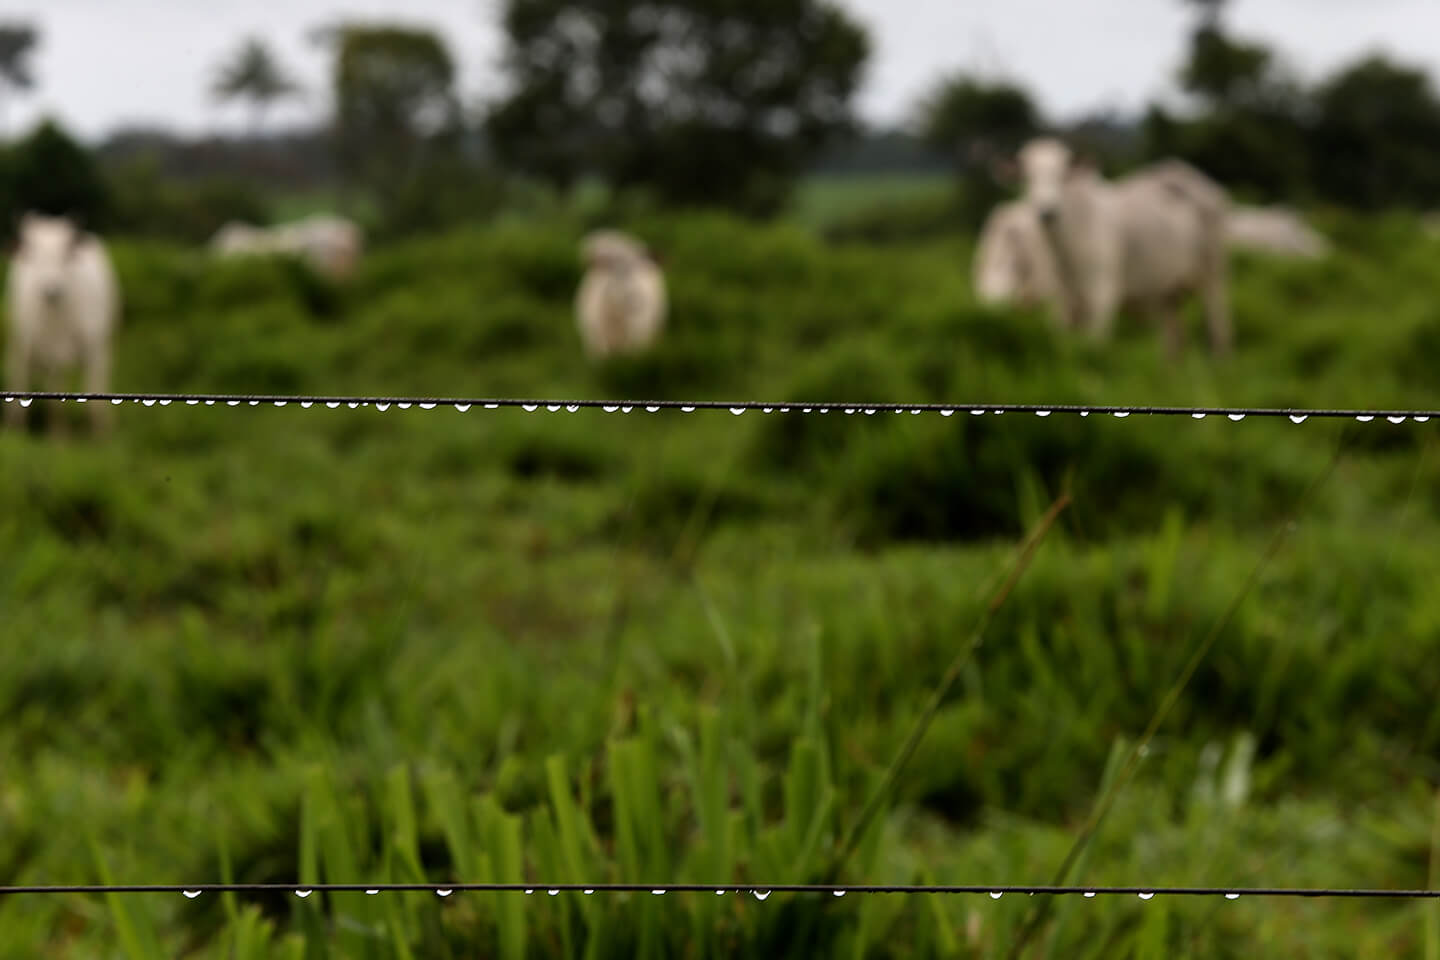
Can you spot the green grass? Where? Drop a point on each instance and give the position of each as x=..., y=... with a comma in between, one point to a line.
x=820, y=200
x=306, y=645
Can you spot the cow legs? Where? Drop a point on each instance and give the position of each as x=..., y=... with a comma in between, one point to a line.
x=1103, y=302
x=1217, y=315
x=1215, y=287
x=97, y=380
x=1167, y=311
x=56, y=423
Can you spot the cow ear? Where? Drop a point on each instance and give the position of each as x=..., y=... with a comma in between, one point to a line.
x=1002, y=168
x=1083, y=160
x=78, y=236
x=16, y=234
x=1005, y=170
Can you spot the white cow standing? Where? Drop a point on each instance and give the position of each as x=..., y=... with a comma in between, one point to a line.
x=1012, y=262
x=621, y=304
x=63, y=306
x=1148, y=240
x=332, y=245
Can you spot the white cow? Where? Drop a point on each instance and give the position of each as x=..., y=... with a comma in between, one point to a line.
x=1012, y=262
x=331, y=245
x=241, y=239
x=621, y=304
x=1145, y=241
x=1274, y=230
x=63, y=302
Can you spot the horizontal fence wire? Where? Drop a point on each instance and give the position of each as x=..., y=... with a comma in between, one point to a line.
x=1296, y=414
x=760, y=891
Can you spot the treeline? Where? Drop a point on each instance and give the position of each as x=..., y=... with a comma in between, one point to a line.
x=1366, y=137
x=697, y=103
x=681, y=103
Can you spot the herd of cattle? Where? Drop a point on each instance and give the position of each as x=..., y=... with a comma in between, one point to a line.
x=1084, y=245
x=1149, y=241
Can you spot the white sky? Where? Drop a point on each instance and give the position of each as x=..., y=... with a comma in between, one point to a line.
x=105, y=63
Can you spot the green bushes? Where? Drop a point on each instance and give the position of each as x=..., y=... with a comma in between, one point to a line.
x=682, y=646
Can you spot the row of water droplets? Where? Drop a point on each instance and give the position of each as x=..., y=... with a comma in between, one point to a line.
x=761, y=895
x=623, y=408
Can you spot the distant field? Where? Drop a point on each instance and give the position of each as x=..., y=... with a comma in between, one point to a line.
x=351, y=645
x=819, y=200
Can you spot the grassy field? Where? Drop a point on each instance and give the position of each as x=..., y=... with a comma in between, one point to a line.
x=350, y=645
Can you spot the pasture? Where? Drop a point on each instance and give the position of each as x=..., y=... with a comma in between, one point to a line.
x=504, y=645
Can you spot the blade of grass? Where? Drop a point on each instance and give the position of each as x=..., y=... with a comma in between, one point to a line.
x=136, y=935
x=1432, y=910
x=1141, y=747
x=872, y=806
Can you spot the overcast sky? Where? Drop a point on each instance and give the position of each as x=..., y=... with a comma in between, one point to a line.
x=106, y=63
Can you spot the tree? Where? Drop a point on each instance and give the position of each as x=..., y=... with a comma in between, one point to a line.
x=1377, y=134
x=1223, y=71
x=973, y=121
x=49, y=172
x=255, y=75
x=1210, y=11
x=395, y=106
x=1252, y=129
x=964, y=112
x=705, y=102
x=17, y=42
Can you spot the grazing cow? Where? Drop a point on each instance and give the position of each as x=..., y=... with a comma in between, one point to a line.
x=1012, y=262
x=1274, y=230
x=241, y=239
x=63, y=301
x=1147, y=240
x=331, y=245
x=621, y=304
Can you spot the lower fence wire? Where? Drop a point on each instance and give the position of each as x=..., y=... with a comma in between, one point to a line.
x=1296, y=414
x=760, y=891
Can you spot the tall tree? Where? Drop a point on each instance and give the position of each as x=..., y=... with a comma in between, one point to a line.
x=48, y=171
x=1252, y=126
x=1377, y=134
x=706, y=102
x=18, y=41
x=394, y=104
x=1210, y=11
x=255, y=75
x=972, y=121
x=963, y=112
x=1224, y=71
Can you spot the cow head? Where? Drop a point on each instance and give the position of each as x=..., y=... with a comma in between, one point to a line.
x=611, y=250
x=47, y=246
x=1046, y=166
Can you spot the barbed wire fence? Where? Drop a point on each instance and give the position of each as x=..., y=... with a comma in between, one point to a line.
x=382, y=403
x=763, y=891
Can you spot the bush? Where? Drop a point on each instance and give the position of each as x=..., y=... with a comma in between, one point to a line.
x=49, y=172
x=149, y=205
x=899, y=222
